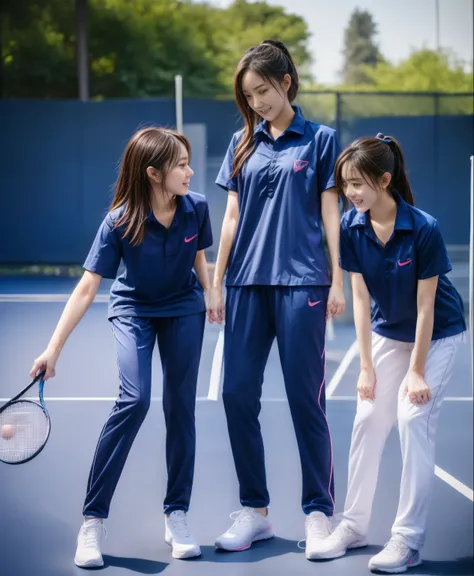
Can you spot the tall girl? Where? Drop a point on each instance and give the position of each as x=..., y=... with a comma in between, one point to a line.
x=397, y=257
x=158, y=230
x=279, y=174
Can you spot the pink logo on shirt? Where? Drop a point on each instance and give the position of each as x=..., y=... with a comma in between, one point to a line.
x=190, y=239
x=313, y=303
x=300, y=165
x=407, y=261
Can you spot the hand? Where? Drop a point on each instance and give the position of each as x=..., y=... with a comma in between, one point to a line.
x=45, y=363
x=366, y=384
x=336, y=301
x=215, y=306
x=416, y=388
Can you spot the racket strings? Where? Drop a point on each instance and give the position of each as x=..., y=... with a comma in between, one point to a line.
x=27, y=431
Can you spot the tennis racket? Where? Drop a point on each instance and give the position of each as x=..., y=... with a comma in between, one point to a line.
x=24, y=426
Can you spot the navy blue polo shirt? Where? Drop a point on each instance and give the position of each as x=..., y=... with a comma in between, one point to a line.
x=279, y=238
x=415, y=251
x=157, y=277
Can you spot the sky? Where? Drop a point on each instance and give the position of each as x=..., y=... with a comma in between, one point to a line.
x=403, y=25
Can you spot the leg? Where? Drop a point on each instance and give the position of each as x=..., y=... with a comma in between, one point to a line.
x=417, y=426
x=180, y=344
x=301, y=340
x=135, y=338
x=247, y=343
x=372, y=425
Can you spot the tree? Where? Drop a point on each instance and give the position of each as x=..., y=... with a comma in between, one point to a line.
x=424, y=70
x=38, y=48
x=360, y=49
x=136, y=48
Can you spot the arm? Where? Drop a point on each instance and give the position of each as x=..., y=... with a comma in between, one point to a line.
x=417, y=388
x=77, y=305
x=229, y=228
x=361, y=301
x=200, y=267
x=330, y=216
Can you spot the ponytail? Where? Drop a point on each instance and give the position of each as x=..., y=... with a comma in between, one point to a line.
x=400, y=181
x=272, y=61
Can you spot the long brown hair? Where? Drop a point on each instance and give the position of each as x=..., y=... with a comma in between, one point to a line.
x=152, y=146
x=372, y=157
x=272, y=61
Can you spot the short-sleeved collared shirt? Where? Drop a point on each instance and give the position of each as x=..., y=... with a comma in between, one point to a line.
x=156, y=278
x=279, y=237
x=415, y=251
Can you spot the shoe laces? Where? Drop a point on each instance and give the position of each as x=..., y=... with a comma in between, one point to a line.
x=179, y=524
x=313, y=528
x=396, y=545
x=244, y=516
x=92, y=532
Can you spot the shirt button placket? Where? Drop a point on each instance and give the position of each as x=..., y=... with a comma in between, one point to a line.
x=271, y=175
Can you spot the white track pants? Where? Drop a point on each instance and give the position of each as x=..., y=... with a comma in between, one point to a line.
x=417, y=427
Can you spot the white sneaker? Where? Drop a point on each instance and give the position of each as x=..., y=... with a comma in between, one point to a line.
x=178, y=536
x=317, y=528
x=342, y=539
x=395, y=558
x=249, y=526
x=88, y=554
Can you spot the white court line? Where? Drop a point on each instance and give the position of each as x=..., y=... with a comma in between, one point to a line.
x=341, y=369
x=90, y=398
x=203, y=399
x=25, y=298
x=442, y=474
x=454, y=483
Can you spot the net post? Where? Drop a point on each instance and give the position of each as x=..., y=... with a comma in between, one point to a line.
x=178, y=83
x=471, y=276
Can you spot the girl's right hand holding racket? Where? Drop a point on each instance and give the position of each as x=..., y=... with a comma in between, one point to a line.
x=46, y=362
x=215, y=310
x=366, y=384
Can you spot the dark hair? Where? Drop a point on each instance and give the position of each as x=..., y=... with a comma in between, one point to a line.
x=156, y=147
x=272, y=61
x=372, y=157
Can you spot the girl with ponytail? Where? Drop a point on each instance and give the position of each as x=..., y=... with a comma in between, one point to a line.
x=407, y=342
x=279, y=175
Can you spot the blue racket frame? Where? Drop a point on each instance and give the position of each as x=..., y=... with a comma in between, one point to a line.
x=41, y=404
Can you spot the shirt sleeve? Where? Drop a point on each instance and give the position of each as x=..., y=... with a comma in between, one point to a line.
x=347, y=256
x=432, y=256
x=327, y=161
x=205, y=231
x=224, y=179
x=105, y=254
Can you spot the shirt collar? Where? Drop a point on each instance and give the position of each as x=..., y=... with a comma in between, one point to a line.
x=403, y=219
x=184, y=205
x=297, y=125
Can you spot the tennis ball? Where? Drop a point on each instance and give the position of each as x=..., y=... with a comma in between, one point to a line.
x=7, y=431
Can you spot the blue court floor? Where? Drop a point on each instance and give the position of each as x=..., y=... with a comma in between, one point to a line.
x=42, y=500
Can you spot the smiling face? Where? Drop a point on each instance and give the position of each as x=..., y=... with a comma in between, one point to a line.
x=178, y=177
x=363, y=193
x=268, y=100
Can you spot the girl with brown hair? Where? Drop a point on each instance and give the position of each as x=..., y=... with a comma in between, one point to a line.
x=158, y=230
x=279, y=175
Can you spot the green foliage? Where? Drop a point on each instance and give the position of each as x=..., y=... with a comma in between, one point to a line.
x=137, y=47
x=423, y=71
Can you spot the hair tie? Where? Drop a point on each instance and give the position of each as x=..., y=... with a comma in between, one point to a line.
x=382, y=137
